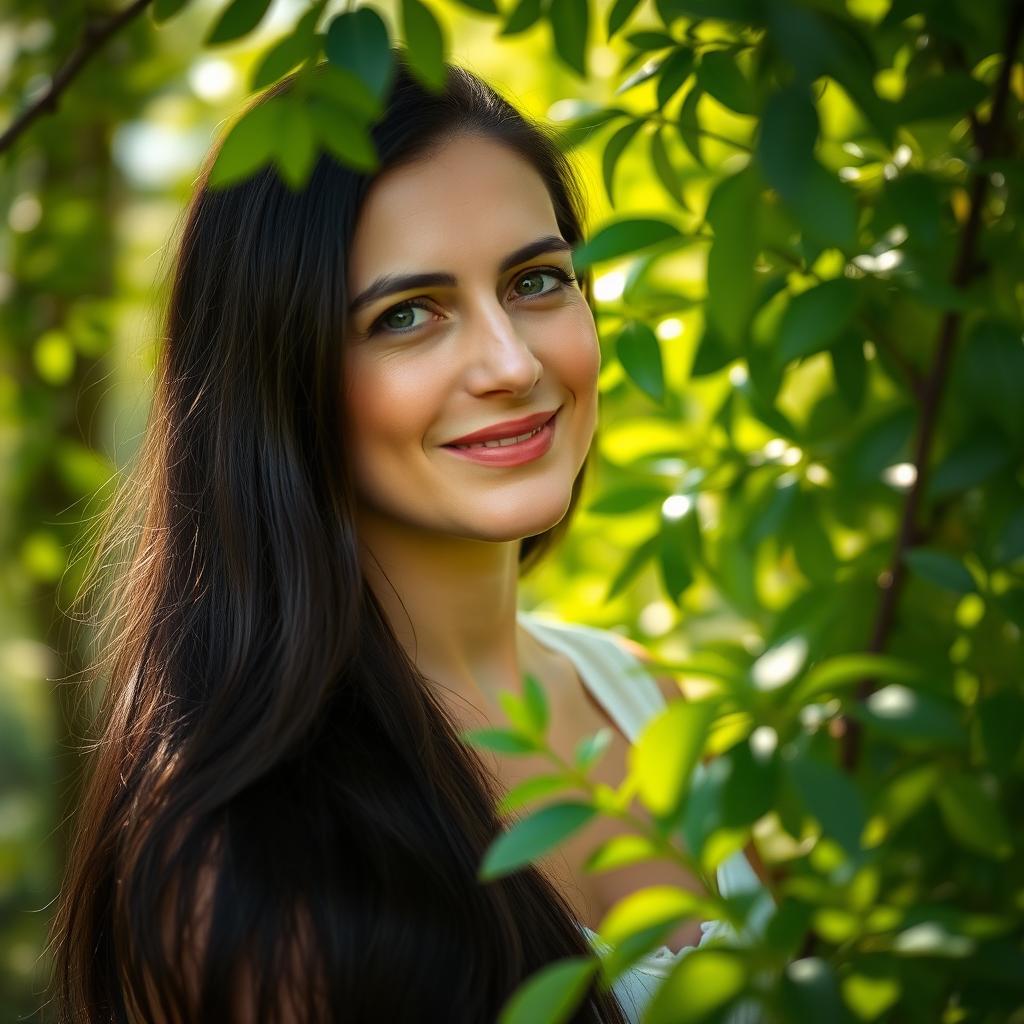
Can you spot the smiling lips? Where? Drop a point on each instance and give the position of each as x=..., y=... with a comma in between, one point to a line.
x=508, y=430
x=515, y=451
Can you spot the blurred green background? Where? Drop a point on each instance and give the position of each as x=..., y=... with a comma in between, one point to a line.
x=735, y=499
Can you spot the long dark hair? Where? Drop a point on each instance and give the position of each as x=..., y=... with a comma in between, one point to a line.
x=260, y=728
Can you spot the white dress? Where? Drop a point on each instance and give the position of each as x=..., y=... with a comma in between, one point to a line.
x=630, y=696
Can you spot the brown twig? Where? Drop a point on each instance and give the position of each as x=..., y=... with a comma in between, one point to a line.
x=94, y=35
x=987, y=140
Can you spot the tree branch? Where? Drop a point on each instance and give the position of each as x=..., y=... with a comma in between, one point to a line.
x=94, y=36
x=988, y=141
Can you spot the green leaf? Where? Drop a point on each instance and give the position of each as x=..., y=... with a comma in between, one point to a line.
x=623, y=238
x=849, y=369
x=750, y=787
x=831, y=797
x=973, y=816
x=941, y=569
x=674, y=71
x=655, y=906
x=733, y=215
x=908, y=716
x=239, y=18
x=534, y=836
x=613, y=150
x=579, y=129
x=528, y=712
x=869, y=993
x=619, y=851
x=633, y=566
x=680, y=551
x=483, y=6
x=357, y=42
x=524, y=15
x=666, y=752
x=992, y=358
x=639, y=351
x=650, y=40
x=164, y=9
x=809, y=992
x=426, y=50
x=720, y=77
x=620, y=14
x=824, y=207
x=628, y=499
x=295, y=146
x=816, y=318
x=664, y=170
x=690, y=125
x=971, y=462
x=570, y=20
x=712, y=353
x=531, y=789
x=552, y=994
x=816, y=43
x=590, y=748
x=250, y=143
x=293, y=49
x=343, y=135
x=502, y=741
x=949, y=95
x=749, y=11
x=845, y=670
x=647, y=71
x=536, y=703
x=700, y=984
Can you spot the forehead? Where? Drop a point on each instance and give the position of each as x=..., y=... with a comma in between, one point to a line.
x=464, y=206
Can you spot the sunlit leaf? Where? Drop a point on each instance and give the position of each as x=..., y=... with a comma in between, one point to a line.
x=622, y=238
x=502, y=741
x=552, y=994
x=664, y=755
x=700, y=984
x=534, y=836
x=250, y=144
x=533, y=788
x=619, y=851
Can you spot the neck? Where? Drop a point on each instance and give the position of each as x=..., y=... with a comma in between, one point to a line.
x=451, y=602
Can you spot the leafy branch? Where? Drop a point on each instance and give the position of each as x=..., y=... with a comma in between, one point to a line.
x=990, y=143
x=94, y=36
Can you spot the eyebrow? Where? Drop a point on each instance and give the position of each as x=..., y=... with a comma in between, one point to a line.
x=391, y=283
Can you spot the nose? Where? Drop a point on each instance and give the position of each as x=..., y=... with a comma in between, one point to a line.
x=499, y=357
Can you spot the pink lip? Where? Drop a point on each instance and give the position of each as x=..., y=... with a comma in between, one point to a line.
x=510, y=428
x=512, y=454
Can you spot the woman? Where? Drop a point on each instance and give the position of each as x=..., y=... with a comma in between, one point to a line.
x=281, y=822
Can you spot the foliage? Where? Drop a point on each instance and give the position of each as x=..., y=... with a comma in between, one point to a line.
x=811, y=317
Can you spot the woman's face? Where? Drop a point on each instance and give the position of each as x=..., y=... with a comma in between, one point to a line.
x=429, y=363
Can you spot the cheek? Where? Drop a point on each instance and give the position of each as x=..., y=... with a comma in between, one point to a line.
x=576, y=354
